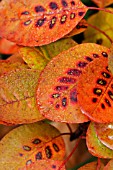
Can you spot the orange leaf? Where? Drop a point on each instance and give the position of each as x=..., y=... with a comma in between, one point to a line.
x=56, y=93
x=31, y=143
x=37, y=23
x=7, y=47
x=92, y=166
x=95, y=91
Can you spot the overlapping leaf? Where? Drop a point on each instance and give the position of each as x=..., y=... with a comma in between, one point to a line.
x=105, y=134
x=39, y=23
x=95, y=91
x=92, y=166
x=7, y=47
x=109, y=166
x=94, y=145
x=31, y=143
x=102, y=20
x=17, y=97
x=110, y=60
x=56, y=93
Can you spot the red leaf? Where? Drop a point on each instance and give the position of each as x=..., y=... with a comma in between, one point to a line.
x=32, y=23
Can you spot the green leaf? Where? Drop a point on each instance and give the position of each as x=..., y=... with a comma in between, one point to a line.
x=101, y=20
x=31, y=143
x=94, y=145
x=17, y=97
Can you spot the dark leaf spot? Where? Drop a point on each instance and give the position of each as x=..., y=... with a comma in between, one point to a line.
x=53, y=5
x=64, y=3
x=55, y=95
x=26, y=148
x=82, y=64
x=89, y=59
x=56, y=148
x=29, y=162
x=25, y=13
x=40, y=22
x=81, y=14
x=36, y=141
x=73, y=3
x=48, y=152
x=94, y=100
x=101, y=82
x=64, y=102
x=74, y=72
x=110, y=94
x=67, y=80
x=72, y=15
x=95, y=55
x=61, y=88
x=104, y=54
x=102, y=106
x=52, y=22
x=106, y=75
x=97, y=91
x=53, y=166
x=57, y=106
x=21, y=154
x=39, y=9
x=108, y=102
x=73, y=96
x=27, y=22
x=38, y=156
x=63, y=19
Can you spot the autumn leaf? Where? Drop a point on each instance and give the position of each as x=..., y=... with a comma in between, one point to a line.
x=105, y=132
x=17, y=97
x=92, y=166
x=7, y=47
x=31, y=143
x=110, y=59
x=102, y=21
x=56, y=92
x=95, y=91
x=109, y=165
x=35, y=24
x=103, y=3
x=95, y=147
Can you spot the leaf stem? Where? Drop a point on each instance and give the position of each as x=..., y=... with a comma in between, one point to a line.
x=69, y=127
x=101, y=9
x=101, y=32
x=69, y=156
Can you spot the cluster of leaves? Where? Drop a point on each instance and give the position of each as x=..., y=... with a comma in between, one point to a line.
x=57, y=80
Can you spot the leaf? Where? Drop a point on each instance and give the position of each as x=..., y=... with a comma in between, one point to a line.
x=53, y=49
x=95, y=147
x=105, y=134
x=99, y=19
x=56, y=92
x=25, y=23
x=7, y=47
x=109, y=165
x=30, y=143
x=44, y=165
x=33, y=57
x=92, y=166
x=80, y=27
x=103, y=3
x=17, y=97
x=7, y=66
x=16, y=58
x=110, y=59
x=95, y=91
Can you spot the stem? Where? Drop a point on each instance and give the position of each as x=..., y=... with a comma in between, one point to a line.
x=101, y=32
x=69, y=156
x=69, y=127
x=101, y=9
x=98, y=164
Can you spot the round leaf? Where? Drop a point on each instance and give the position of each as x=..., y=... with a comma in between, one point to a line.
x=28, y=144
x=94, y=145
x=17, y=97
x=95, y=91
x=37, y=23
x=56, y=93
